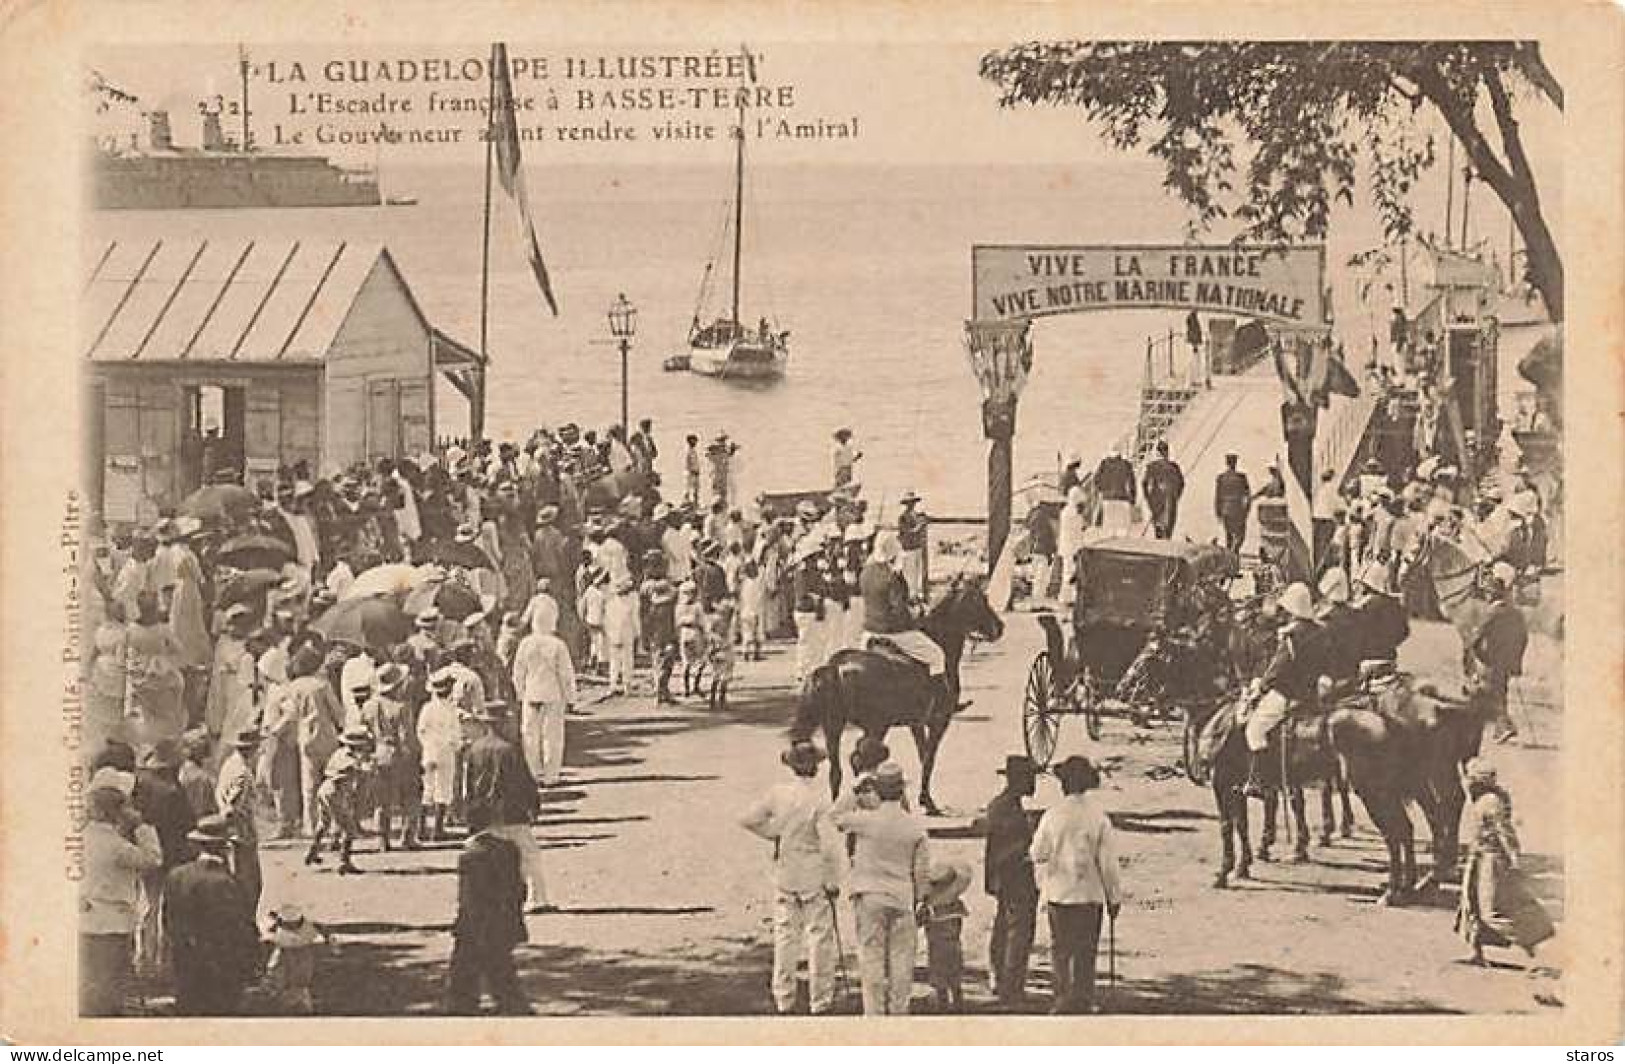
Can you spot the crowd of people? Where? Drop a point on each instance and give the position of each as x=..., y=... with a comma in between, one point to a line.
x=323, y=654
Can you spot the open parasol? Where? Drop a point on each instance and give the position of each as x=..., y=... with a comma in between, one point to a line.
x=394, y=578
x=255, y=551
x=452, y=598
x=220, y=502
x=461, y=555
x=240, y=587
x=375, y=622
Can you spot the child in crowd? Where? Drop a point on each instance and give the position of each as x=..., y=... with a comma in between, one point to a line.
x=592, y=615
x=291, y=973
x=942, y=914
x=691, y=643
x=720, y=638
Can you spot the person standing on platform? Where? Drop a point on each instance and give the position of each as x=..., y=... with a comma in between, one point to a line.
x=913, y=536
x=1073, y=520
x=1008, y=877
x=1232, y=499
x=691, y=472
x=807, y=865
x=1164, y=483
x=1114, y=485
x=843, y=457
x=1076, y=848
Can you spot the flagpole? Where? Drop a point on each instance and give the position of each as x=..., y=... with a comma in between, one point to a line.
x=476, y=409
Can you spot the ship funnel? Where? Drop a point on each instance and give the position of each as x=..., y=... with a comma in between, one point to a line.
x=213, y=138
x=158, y=131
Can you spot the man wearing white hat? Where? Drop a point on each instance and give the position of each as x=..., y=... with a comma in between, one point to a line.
x=1291, y=677
x=886, y=611
x=807, y=605
x=1072, y=523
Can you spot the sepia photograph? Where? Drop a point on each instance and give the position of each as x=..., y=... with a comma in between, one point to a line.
x=772, y=525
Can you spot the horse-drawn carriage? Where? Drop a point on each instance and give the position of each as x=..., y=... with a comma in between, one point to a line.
x=1144, y=642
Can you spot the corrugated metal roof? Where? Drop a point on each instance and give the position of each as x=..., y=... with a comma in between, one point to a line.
x=240, y=300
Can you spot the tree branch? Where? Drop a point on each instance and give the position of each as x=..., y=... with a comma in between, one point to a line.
x=1539, y=74
x=1458, y=114
x=1511, y=139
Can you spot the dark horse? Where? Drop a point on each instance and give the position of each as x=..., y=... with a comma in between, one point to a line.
x=1292, y=762
x=1408, y=745
x=1395, y=745
x=877, y=691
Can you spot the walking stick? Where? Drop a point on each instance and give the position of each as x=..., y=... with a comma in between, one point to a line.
x=1111, y=954
x=842, y=982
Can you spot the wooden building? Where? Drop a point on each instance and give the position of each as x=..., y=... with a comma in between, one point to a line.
x=252, y=355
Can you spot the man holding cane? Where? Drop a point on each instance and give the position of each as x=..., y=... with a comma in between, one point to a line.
x=1076, y=852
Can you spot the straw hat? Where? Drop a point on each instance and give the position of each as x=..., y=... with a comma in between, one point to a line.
x=946, y=882
x=1480, y=773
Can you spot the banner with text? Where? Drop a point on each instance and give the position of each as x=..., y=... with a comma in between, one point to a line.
x=1283, y=284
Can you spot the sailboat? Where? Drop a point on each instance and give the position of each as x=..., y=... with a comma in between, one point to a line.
x=727, y=347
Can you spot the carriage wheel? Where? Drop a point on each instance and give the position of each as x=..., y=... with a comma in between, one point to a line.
x=1195, y=771
x=1088, y=700
x=1040, y=718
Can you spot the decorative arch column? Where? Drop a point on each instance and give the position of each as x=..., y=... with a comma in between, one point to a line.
x=1001, y=356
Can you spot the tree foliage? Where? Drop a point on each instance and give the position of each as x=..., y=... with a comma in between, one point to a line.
x=1271, y=134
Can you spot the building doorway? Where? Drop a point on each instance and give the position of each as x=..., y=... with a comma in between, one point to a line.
x=213, y=435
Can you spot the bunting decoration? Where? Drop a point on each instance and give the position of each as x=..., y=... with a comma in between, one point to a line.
x=504, y=132
x=1001, y=357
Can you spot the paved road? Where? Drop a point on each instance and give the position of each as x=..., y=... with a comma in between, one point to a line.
x=664, y=903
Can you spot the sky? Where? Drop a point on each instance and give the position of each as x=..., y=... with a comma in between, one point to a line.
x=918, y=104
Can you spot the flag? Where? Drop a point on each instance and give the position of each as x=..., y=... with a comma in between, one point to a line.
x=504, y=131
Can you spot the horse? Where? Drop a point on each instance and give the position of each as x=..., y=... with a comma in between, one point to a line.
x=876, y=692
x=1305, y=756
x=1457, y=581
x=1405, y=745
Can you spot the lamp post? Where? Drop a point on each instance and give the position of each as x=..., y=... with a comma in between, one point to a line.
x=623, y=324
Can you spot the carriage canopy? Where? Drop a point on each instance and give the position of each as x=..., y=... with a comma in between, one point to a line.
x=1131, y=582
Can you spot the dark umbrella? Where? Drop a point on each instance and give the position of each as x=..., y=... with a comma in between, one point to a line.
x=254, y=552
x=463, y=555
x=453, y=599
x=240, y=587
x=375, y=622
x=220, y=502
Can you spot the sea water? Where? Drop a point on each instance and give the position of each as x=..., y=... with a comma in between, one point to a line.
x=869, y=268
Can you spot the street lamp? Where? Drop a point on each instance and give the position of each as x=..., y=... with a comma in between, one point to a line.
x=623, y=324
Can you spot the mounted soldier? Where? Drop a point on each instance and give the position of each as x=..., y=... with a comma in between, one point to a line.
x=887, y=615
x=1288, y=681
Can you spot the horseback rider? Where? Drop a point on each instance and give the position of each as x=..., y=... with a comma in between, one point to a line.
x=1380, y=621
x=1289, y=679
x=887, y=615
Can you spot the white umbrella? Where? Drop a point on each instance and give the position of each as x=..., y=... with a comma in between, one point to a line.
x=395, y=578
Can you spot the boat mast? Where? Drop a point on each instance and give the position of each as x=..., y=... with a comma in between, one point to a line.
x=476, y=413
x=242, y=68
x=739, y=203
